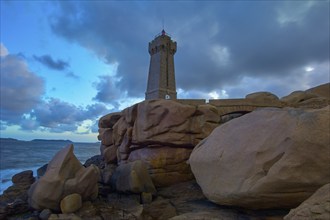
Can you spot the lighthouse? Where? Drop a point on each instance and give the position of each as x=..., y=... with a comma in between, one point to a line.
x=161, y=78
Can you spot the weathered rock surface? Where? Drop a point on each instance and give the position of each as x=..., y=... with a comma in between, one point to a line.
x=133, y=177
x=45, y=214
x=25, y=177
x=168, y=123
x=110, y=154
x=161, y=209
x=96, y=160
x=200, y=216
x=321, y=90
x=146, y=198
x=297, y=97
x=42, y=170
x=262, y=97
x=70, y=216
x=106, y=124
x=160, y=132
x=270, y=158
x=14, y=200
x=317, y=97
x=65, y=175
x=315, y=207
x=167, y=165
x=107, y=173
x=109, y=120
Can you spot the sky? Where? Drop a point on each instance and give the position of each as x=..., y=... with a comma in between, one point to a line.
x=64, y=64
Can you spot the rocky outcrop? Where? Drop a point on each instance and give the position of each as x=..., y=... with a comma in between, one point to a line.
x=65, y=175
x=167, y=165
x=262, y=97
x=270, y=158
x=25, y=177
x=45, y=214
x=160, y=132
x=133, y=177
x=316, y=97
x=96, y=160
x=321, y=90
x=70, y=216
x=315, y=207
x=106, y=124
x=14, y=199
x=41, y=170
x=168, y=123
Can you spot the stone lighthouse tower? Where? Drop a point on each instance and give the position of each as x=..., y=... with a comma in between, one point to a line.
x=161, y=78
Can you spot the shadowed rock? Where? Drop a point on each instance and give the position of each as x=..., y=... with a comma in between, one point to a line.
x=65, y=175
x=133, y=177
x=315, y=207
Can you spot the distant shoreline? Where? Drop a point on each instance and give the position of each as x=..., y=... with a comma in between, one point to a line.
x=44, y=140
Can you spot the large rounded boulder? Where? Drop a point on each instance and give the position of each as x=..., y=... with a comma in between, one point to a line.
x=270, y=158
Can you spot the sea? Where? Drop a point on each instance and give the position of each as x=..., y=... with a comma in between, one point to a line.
x=17, y=156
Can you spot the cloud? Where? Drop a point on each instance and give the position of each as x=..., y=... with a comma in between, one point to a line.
x=72, y=75
x=285, y=14
x=58, y=65
x=3, y=50
x=21, y=90
x=107, y=90
x=22, y=101
x=58, y=116
x=49, y=62
x=219, y=43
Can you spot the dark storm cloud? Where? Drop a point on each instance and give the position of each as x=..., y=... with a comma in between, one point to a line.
x=107, y=91
x=22, y=104
x=219, y=43
x=60, y=116
x=20, y=91
x=58, y=65
x=49, y=62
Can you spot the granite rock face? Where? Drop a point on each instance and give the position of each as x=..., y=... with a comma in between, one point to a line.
x=270, y=158
x=14, y=200
x=321, y=90
x=167, y=165
x=133, y=177
x=315, y=207
x=25, y=177
x=262, y=97
x=164, y=122
x=316, y=97
x=65, y=175
x=160, y=132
